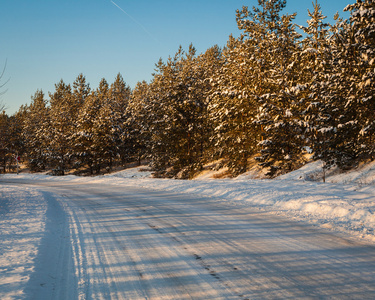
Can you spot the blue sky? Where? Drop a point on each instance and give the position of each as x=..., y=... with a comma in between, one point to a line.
x=44, y=41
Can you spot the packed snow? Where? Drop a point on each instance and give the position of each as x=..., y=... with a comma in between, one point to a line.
x=344, y=204
x=22, y=221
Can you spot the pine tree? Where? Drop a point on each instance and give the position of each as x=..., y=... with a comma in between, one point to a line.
x=233, y=103
x=34, y=127
x=362, y=96
x=317, y=107
x=10, y=140
x=85, y=148
x=116, y=114
x=15, y=141
x=283, y=136
x=350, y=85
x=163, y=92
x=103, y=137
x=4, y=141
x=81, y=90
x=140, y=120
x=265, y=78
x=207, y=65
x=62, y=116
x=179, y=102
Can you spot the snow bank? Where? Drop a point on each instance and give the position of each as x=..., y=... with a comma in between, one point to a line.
x=361, y=176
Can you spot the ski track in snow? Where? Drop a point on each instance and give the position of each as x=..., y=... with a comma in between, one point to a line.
x=126, y=236
x=35, y=256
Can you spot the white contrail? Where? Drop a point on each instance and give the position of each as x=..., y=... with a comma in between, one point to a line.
x=134, y=20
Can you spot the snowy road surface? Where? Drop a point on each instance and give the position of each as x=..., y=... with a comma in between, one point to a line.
x=126, y=242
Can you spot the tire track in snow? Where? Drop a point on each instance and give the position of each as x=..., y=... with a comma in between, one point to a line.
x=133, y=248
x=255, y=255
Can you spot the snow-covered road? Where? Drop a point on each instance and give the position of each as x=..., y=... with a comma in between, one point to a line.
x=127, y=242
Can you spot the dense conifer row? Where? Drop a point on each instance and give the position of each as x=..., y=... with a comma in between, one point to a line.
x=273, y=94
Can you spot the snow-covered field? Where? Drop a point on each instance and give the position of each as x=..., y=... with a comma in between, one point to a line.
x=345, y=204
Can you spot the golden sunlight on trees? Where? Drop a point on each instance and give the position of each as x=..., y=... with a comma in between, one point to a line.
x=274, y=94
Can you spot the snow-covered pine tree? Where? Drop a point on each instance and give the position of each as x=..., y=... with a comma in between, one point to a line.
x=140, y=118
x=81, y=90
x=167, y=97
x=117, y=105
x=192, y=107
x=270, y=41
x=233, y=102
x=86, y=149
x=3, y=136
x=178, y=100
x=345, y=86
x=80, y=93
x=207, y=64
x=157, y=88
x=5, y=147
x=362, y=99
x=62, y=117
x=35, y=124
x=11, y=143
x=104, y=141
x=317, y=108
x=280, y=110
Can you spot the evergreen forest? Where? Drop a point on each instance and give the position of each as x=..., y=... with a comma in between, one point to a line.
x=270, y=96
